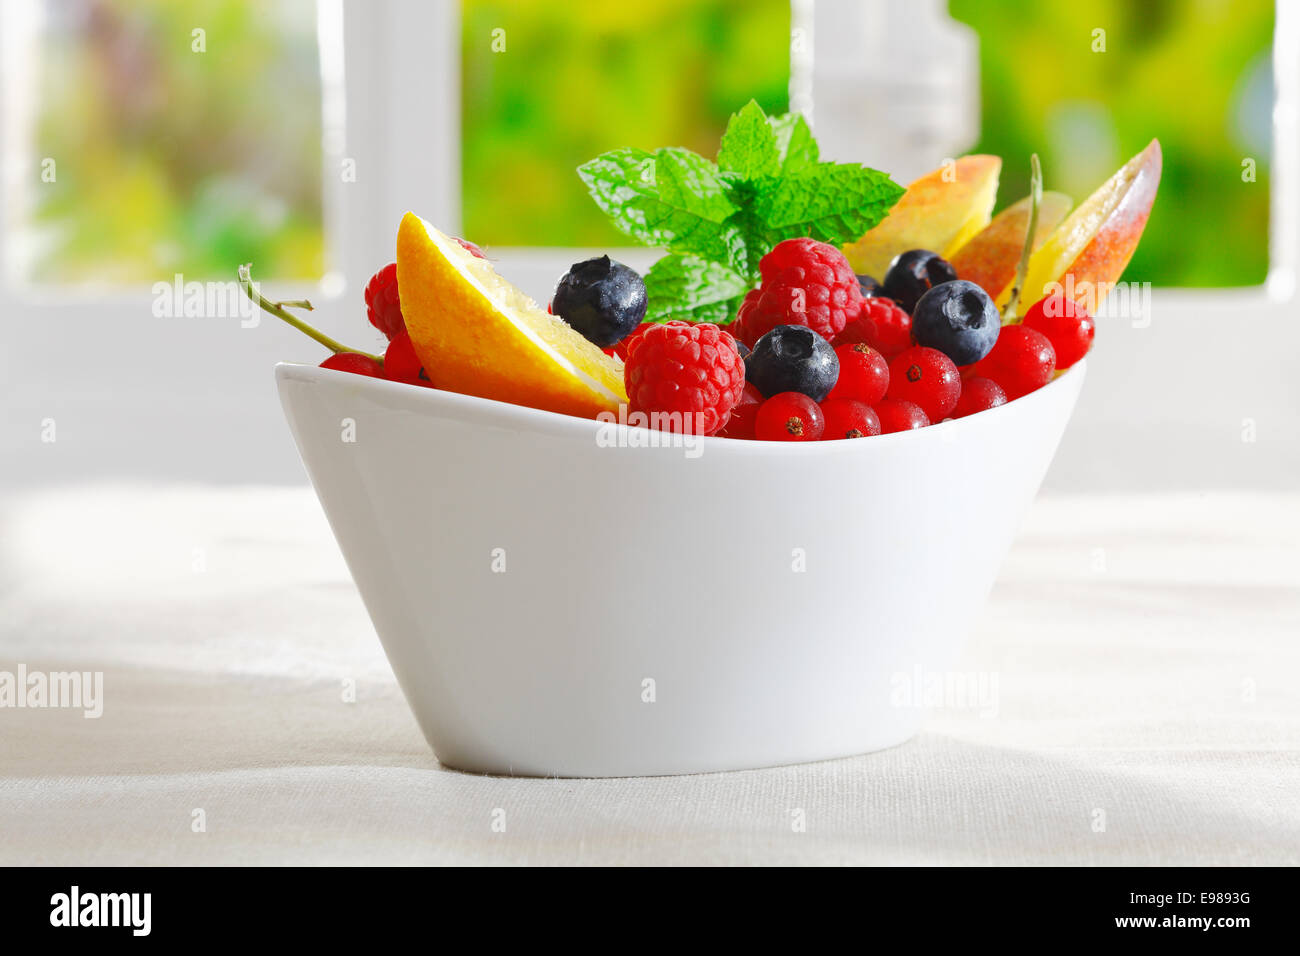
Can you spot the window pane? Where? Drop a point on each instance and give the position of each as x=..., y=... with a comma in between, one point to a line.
x=1195, y=74
x=547, y=86
x=184, y=137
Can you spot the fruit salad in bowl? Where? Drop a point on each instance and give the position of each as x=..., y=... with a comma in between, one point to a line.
x=716, y=516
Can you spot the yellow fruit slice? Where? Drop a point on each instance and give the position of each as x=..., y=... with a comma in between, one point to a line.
x=477, y=334
x=990, y=258
x=1094, y=244
x=939, y=212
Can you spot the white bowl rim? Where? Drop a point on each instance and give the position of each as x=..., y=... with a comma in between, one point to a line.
x=537, y=419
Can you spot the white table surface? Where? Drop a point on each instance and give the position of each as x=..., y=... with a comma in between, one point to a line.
x=1147, y=710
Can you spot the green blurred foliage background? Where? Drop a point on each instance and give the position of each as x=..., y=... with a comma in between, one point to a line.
x=1193, y=73
x=170, y=160
x=174, y=161
x=576, y=80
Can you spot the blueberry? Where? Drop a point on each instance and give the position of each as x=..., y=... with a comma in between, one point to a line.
x=871, y=289
x=742, y=348
x=602, y=299
x=959, y=319
x=793, y=358
x=913, y=273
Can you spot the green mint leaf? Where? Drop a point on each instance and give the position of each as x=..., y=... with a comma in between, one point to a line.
x=748, y=238
x=832, y=202
x=694, y=289
x=795, y=147
x=671, y=198
x=748, y=149
x=691, y=183
x=718, y=220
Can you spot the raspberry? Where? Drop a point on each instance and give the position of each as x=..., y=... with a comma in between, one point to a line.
x=689, y=371
x=927, y=378
x=740, y=328
x=848, y=418
x=789, y=416
x=805, y=282
x=382, y=303
x=882, y=324
x=864, y=374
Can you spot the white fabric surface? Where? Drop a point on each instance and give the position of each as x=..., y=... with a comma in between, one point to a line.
x=1145, y=652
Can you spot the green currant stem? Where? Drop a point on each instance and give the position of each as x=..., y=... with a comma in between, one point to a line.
x=1035, y=199
x=277, y=309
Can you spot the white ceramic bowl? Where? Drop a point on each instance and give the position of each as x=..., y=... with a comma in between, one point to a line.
x=556, y=603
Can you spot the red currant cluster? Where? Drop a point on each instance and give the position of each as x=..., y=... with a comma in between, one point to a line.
x=829, y=355
x=398, y=363
x=872, y=396
x=384, y=308
x=816, y=352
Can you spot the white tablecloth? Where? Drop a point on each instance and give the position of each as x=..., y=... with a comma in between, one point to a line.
x=1146, y=708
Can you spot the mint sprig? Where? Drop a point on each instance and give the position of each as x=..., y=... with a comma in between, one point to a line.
x=748, y=150
x=794, y=142
x=694, y=289
x=828, y=201
x=718, y=219
x=671, y=198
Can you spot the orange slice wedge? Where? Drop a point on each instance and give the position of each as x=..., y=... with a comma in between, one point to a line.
x=477, y=334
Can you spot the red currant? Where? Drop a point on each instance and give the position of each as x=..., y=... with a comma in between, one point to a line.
x=882, y=324
x=848, y=418
x=1022, y=360
x=401, y=364
x=354, y=362
x=927, y=378
x=978, y=395
x=1067, y=325
x=741, y=422
x=864, y=373
x=789, y=416
x=897, y=415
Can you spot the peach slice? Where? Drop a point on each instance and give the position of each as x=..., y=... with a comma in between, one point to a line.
x=990, y=258
x=940, y=212
x=1087, y=253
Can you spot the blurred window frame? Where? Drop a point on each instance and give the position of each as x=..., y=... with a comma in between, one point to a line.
x=838, y=66
x=375, y=165
x=391, y=112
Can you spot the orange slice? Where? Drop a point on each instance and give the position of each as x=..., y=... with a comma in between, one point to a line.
x=477, y=334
